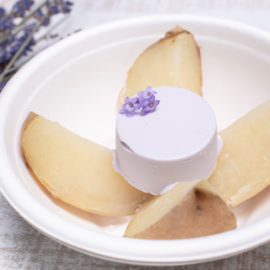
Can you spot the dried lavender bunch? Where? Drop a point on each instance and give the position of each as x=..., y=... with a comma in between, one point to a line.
x=17, y=30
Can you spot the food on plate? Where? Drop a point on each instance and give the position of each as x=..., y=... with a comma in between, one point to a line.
x=166, y=139
x=76, y=170
x=172, y=61
x=190, y=209
x=243, y=167
x=177, y=142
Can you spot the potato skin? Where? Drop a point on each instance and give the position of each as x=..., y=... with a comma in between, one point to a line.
x=243, y=166
x=76, y=170
x=172, y=61
x=188, y=210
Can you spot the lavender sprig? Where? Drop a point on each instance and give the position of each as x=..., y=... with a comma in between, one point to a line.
x=26, y=46
x=144, y=104
x=17, y=39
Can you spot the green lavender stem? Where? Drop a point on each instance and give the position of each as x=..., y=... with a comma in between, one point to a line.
x=14, y=68
x=18, y=53
x=17, y=27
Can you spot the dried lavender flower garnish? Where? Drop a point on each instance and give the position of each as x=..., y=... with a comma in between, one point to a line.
x=146, y=94
x=131, y=106
x=149, y=105
x=143, y=104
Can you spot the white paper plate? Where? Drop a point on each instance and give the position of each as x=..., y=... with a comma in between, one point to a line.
x=76, y=83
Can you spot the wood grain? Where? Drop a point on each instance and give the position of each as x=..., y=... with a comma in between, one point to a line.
x=21, y=246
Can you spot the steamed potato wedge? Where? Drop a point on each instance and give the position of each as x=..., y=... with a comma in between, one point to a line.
x=190, y=209
x=76, y=170
x=243, y=167
x=172, y=61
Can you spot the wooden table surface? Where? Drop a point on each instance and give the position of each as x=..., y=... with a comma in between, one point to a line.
x=21, y=246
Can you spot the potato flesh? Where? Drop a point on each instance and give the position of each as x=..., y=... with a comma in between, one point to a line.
x=243, y=167
x=172, y=61
x=189, y=210
x=77, y=170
